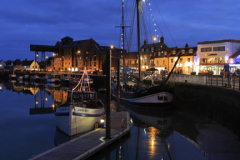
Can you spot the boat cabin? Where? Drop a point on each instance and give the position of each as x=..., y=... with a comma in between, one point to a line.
x=86, y=99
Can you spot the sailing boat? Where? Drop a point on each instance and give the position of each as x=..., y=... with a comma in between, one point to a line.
x=156, y=97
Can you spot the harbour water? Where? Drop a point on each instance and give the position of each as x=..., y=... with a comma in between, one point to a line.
x=28, y=128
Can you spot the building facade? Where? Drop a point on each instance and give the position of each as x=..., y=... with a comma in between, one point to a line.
x=146, y=53
x=75, y=55
x=213, y=55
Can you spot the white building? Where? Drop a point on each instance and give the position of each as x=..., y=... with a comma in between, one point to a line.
x=212, y=55
x=30, y=65
x=2, y=64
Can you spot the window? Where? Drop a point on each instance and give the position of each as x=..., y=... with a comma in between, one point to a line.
x=142, y=49
x=157, y=62
x=159, y=53
x=171, y=60
x=191, y=51
x=165, y=53
x=174, y=52
x=86, y=52
x=95, y=58
x=208, y=49
x=94, y=64
x=188, y=59
x=220, y=48
x=163, y=62
x=180, y=60
x=132, y=61
x=183, y=51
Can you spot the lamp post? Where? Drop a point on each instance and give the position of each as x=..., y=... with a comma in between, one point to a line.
x=108, y=94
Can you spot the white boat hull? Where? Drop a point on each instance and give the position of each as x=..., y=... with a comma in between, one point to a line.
x=77, y=120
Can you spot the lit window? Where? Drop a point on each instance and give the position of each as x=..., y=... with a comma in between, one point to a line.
x=191, y=51
x=183, y=51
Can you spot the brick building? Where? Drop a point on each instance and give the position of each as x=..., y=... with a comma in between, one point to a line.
x=75, y=55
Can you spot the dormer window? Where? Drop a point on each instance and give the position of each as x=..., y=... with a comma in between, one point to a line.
x=147, y=50
x=165, y=53
x=183, y=51
x=174, y=52
x=142, y=49
x=159, y=53
x=190, y=50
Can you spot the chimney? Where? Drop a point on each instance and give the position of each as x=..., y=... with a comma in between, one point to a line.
x=186, y=46
x=162, y=40
x=145, y=42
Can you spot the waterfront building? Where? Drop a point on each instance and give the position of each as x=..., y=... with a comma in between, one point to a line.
x=213, y=55
x=75, y=55
x=131, y=62
x=2, y=65
x=165, y=59
x=30, y=65
x=147, y=50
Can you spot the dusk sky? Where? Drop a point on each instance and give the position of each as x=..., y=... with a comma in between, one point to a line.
x=44, y=22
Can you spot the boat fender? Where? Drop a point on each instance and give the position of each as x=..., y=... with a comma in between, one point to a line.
x=122, y=123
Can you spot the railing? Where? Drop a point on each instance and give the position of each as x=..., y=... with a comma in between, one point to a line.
x=232, y=82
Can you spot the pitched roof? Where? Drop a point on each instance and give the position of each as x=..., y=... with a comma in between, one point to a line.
x=27, y=63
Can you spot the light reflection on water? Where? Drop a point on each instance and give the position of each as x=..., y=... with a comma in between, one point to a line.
x=28, y=128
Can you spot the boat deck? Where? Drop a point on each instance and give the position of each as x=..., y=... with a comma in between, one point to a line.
x=89, y=143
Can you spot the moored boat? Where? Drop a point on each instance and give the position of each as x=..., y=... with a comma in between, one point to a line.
x=81, y=113
x=53, y=78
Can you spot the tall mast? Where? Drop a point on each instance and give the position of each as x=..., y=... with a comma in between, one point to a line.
x=138, y=30
x=122, y=26
x=123, y=37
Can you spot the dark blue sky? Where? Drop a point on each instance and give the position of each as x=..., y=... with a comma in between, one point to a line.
x=25, y=22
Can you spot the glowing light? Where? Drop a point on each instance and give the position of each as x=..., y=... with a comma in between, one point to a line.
x=78, y=51
x=149, y=4
x=46, y=57
x=146, y=67
x=36, y=102
x=53, y=106
x=102, y=120
x=152, y=142
x=154, y=38
x=46, y=99
x=155, y=30
x=144, y=1
x=111, y=46
x=37, y=55
x=154, y=24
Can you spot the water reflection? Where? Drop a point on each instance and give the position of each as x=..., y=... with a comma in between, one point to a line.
x=159, y=135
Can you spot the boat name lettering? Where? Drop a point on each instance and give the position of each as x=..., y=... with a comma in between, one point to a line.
x=82, y=110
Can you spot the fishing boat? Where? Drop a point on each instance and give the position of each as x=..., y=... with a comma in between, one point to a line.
x=82, y=112
x=153, y=97
x=26, y=77
x=65, y=78
x=36, y=79
x=54, y=78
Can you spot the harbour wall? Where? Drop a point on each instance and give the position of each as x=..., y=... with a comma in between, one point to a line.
x=219, y=104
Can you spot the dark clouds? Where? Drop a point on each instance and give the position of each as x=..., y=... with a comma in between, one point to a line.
x=28, y=22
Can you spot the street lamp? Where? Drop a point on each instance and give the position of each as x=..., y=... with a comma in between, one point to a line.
x=111, y=46
x=154, y=38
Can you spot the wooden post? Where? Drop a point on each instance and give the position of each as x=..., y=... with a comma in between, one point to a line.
x=118, y=86
x=211, y=80
x=217, y=80
x=234, y=82
x=239, y=83
x=222, y=81
x=108, y=94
